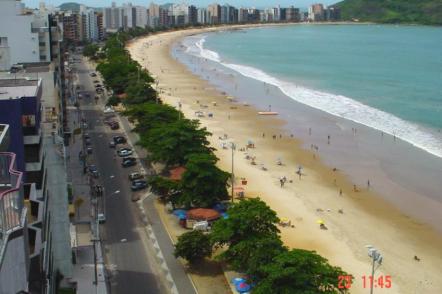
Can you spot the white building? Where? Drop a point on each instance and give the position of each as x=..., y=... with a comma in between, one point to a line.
x=202, y=16
x=154, y=15
x=113, y=17
x=19, y=41
x=91, y=28
x=141, y=16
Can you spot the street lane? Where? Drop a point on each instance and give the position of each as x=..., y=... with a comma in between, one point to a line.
x=131, y=261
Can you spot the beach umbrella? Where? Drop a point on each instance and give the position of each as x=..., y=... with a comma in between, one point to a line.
x=320, y=221
x=242, y=287
x=224, y=215
x=178, y=212
x=236, y=281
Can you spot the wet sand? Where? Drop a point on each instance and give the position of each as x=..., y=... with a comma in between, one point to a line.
x=366, y=218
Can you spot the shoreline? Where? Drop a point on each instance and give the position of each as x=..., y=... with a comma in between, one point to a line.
x=364, y=214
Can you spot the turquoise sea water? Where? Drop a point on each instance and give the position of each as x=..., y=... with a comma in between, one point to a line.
x=386, y=77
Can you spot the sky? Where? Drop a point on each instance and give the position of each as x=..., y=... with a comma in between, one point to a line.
x=198, y=3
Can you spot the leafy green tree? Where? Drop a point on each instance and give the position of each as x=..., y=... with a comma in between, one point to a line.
x=193, y=246
x=113, y=101
x=172, y=143
x=250, y=254
x=139, y=92
x=299, y=271
x=167, y=189
x=148, y=115
x=203, y=184
x=90, y=50
x=248, y=219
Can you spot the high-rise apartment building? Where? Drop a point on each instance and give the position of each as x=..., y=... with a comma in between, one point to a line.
x=214, y=13
x=316, y=12
x=202, y=16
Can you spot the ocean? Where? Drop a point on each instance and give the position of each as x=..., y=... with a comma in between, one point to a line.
x=386, y=77
x=383, y=80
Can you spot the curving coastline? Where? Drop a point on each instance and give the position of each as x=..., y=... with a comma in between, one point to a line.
x=365, y=215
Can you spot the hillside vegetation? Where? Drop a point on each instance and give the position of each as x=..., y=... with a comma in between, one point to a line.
x=427, y=12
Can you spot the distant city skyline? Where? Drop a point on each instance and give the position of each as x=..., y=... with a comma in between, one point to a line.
x=238, y=3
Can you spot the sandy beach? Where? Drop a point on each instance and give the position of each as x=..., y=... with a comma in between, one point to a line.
x=364, y=219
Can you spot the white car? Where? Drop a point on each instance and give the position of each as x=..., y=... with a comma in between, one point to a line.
x=101, y=218
x=108, y=110
x=123, y=152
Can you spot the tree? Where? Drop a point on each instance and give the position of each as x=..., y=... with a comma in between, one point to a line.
x=90, y=50
x=299, y=271
x=203, y=184
x=193, y=246
x=139, y=92
x=248, y=219
x=250, y=254
x=172, y=143
x=113, y=101
x=148, y=115
x=167, y=189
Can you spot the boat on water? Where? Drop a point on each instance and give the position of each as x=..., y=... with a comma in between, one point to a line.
x=267, y=113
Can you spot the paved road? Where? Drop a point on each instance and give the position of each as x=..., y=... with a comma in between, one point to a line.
x=129, y=255
x=136, y=268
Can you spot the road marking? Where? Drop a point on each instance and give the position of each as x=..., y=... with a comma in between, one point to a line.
x=123, y=240
x=116, y=192
x=112, y=176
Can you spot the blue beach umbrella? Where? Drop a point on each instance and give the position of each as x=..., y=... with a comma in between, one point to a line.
x=242, y=287
x=180, y=212
x=236, y=281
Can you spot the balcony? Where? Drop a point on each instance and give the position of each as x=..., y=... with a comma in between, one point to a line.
x=12, y=212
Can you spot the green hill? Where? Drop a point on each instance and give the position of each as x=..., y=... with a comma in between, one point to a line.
x=70, y=6
x=393, y=11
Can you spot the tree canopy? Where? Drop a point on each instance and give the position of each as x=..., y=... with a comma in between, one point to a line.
x=203, y=184
x=193, y=246
x=172, y=143
x=299, y=271
x=248, y=219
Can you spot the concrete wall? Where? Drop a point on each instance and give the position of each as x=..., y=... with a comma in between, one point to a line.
x=22, y=43
x=14, y=265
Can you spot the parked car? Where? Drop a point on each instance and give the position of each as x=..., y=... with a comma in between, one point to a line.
x=98, y=86
x=123, y=152
x=101, y=218
x=96, y=81
x=108, y=109
x=87, y=141
x=99, y=90
x=114, y=125
x=119, y=140
x=92, y=74
x=136, y=176
x=87, y=136
x=138, y=185
x=89, y=150
x=128, y=161
x=93, y=171
x=112, y=144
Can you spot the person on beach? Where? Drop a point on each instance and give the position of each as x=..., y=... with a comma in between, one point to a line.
x=280, y=136
x=328, y=139
x=355, y=189
x=263, y=135
x=274, y=137
x=368, y=184
x=340, y=192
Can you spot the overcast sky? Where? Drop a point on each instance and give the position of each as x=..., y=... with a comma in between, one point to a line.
x=238, y=3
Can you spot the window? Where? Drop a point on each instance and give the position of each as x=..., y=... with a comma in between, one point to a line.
x=3, y=41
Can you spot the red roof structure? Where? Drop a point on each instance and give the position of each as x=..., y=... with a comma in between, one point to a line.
x=177, y=173
x=201, y=214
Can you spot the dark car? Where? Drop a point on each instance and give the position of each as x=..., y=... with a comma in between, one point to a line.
x=119, y=140
x=96, y=81
x=87, y=136
x=93, y=171
x=93, y=74
x=112, y=144
x=97, y=86
x=99, y=90
x=114, y=125
x=129, y=161
x=87, y=142
x=138, y=185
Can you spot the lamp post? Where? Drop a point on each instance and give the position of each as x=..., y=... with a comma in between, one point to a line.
x=376, y=257
x=233, y=146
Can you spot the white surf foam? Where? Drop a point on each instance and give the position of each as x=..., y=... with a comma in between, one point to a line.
x=337, y=105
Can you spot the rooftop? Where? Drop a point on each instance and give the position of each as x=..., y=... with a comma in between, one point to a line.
x=17, y=88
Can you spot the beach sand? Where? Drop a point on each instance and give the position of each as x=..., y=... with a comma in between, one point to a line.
x=366, y=218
